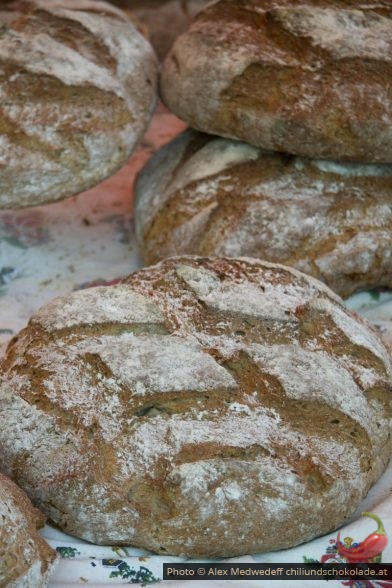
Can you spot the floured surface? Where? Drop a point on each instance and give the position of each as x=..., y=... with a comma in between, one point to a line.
x=78, y=87
x=344, y=33
x=46, y=252
x=331, y=220
x=307, y=78
x=51, y=251
x=214, y=395
x=117, y=305
x=26, y=560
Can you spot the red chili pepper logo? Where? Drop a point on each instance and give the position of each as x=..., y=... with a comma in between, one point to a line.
x=369, y=548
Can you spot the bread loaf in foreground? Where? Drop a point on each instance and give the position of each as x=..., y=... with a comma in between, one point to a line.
x=26, y=560
x=210, y=196
x=196, y=406
x=78, y=87
x=308, y=77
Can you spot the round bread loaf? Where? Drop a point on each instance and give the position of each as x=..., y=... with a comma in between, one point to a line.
x=210, y=196
x=26, y=560
x=308, y=77
x=196, y=406
x=78, y=87
x=163, y=20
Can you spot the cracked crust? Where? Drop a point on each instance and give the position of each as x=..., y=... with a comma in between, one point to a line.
x=309, y=78
x=155, y=411
x=77, y=90
x=206, y=195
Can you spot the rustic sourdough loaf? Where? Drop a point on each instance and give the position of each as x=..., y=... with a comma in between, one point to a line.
x=163, y=20
x=26, y=560
x=78, y=86
x=210, y=196
x=308, y=77
x=196, y=406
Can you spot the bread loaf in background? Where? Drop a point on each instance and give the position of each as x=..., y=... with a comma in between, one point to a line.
x=162, y=20
x=210, y=196
x=26, y=560
x=196, y=406
x=77, y=86
x=307, y=77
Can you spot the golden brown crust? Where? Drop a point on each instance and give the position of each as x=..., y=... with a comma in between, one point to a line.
x=308, y=78
x=26, y=560
x=176, y=411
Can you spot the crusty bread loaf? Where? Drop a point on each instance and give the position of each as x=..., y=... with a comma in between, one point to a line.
x=163, y=20
x=78, y=86
x=196, y=406
x=308, y=77
x=26, y=560
x=210, y=196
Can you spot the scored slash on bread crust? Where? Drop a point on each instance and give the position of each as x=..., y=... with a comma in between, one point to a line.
x=26, y=560
x=206, y=195
x=155, y=411
x=308, y=77
x=78, y=88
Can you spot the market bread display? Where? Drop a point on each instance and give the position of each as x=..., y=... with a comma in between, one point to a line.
x=26, y=560
x=196, y=406
x=162, y=20
x=211, y=196
x=307, y=77
x=78, y=87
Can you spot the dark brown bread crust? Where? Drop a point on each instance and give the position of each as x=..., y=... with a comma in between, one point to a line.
x=195, y=407
x=26, y=560
x=304, y=77
x=205, y=195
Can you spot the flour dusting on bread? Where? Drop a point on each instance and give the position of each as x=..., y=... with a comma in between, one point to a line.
x=188, y=390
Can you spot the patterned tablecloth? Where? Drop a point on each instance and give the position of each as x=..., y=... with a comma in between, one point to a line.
x=52, y=250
